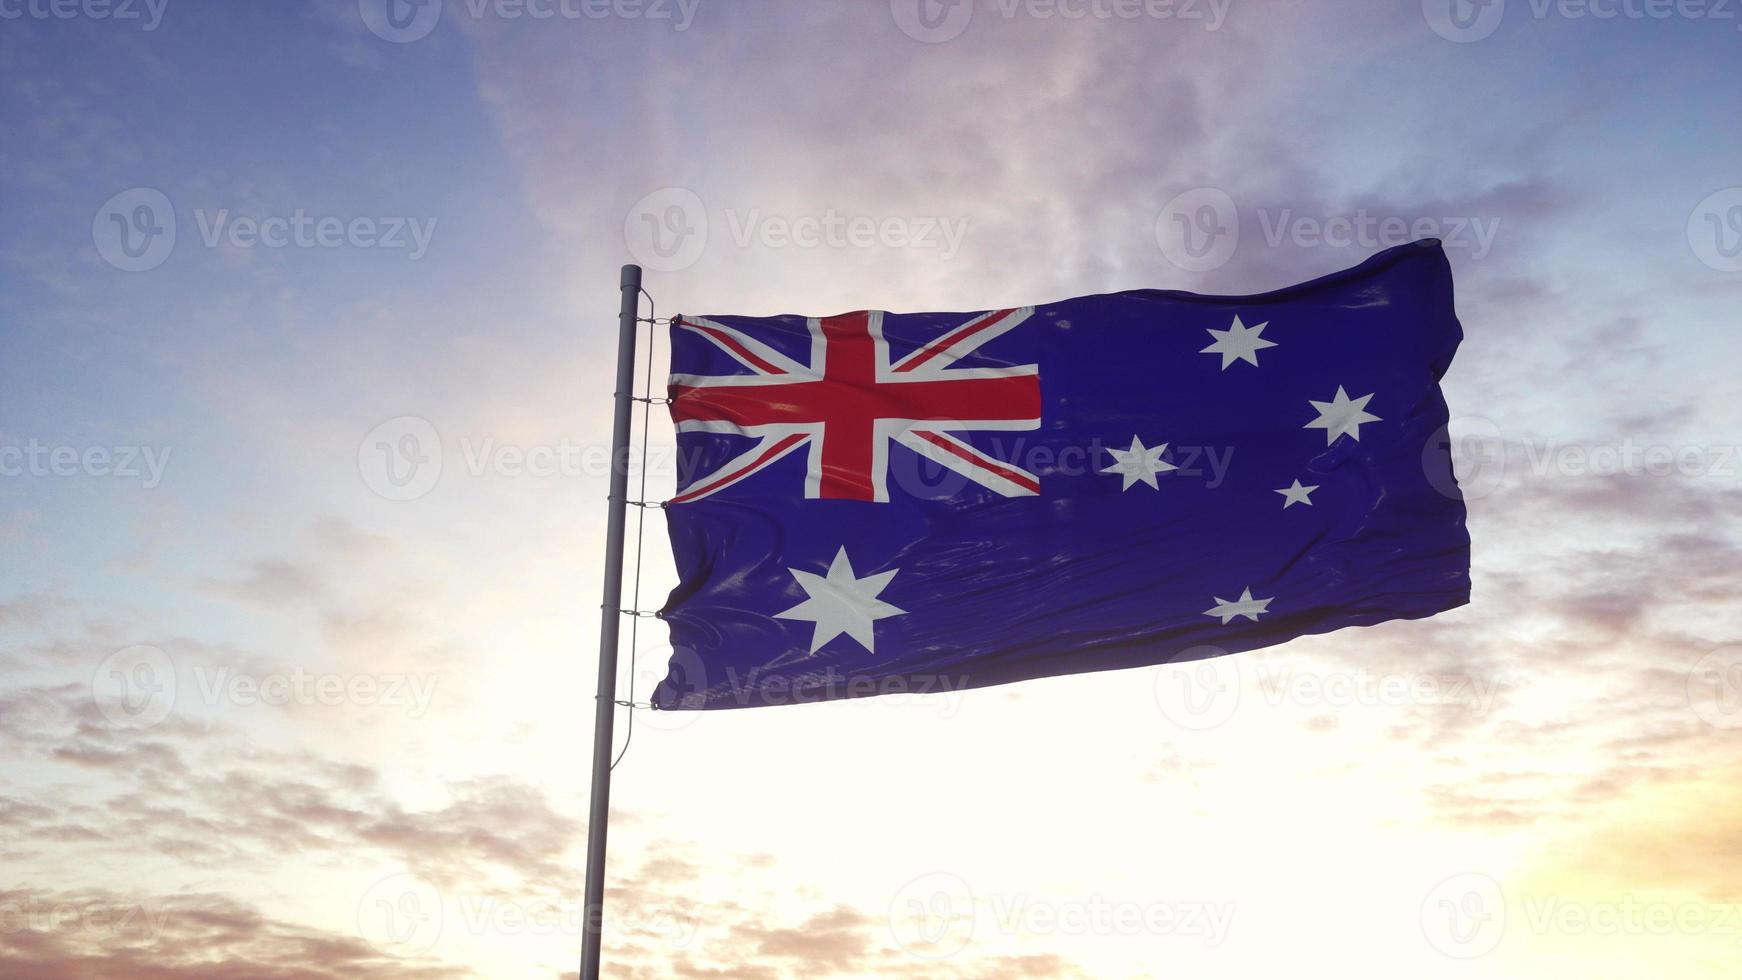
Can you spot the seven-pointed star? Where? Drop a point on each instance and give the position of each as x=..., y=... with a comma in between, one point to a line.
x=1297, y=494
x=1139, y=463
x=1341, y=415
x=840, y=602
x=1243, y=606
x=1238, y=343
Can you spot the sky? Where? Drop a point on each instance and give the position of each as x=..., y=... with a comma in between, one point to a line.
x=307, y=325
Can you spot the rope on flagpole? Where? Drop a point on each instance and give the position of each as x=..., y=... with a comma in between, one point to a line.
x=635, y=611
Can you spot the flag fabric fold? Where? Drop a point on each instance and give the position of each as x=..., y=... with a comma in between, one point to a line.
x=878, y=503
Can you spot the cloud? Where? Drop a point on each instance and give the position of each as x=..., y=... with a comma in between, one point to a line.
x=201, y=790
x=829, y=940
x=30, y=610
x=272, y=582
x=104, y=935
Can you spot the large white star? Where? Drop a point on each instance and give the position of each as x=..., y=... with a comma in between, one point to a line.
x=1297, y=494
x=1238, y=343
x=840, y=602
x=1139, y=463
x=1244, y=606
x=1340, y=415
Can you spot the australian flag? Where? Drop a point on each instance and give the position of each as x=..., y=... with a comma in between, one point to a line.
x=876, y=502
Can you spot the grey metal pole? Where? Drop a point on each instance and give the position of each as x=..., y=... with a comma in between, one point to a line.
x=610, y=615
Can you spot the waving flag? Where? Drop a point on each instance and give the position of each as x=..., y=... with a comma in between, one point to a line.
x=877, y=503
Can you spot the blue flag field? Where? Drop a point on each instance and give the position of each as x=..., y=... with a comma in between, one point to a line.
x=878, y=503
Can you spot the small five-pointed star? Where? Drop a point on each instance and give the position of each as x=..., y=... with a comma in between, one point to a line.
x=1238, y=343
x=1140, y=462
x=1340, y=415
x=1297, y=494
x=840, y=602
x=1244, y=606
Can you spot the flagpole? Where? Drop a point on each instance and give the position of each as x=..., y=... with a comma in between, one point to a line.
x=610, y=615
